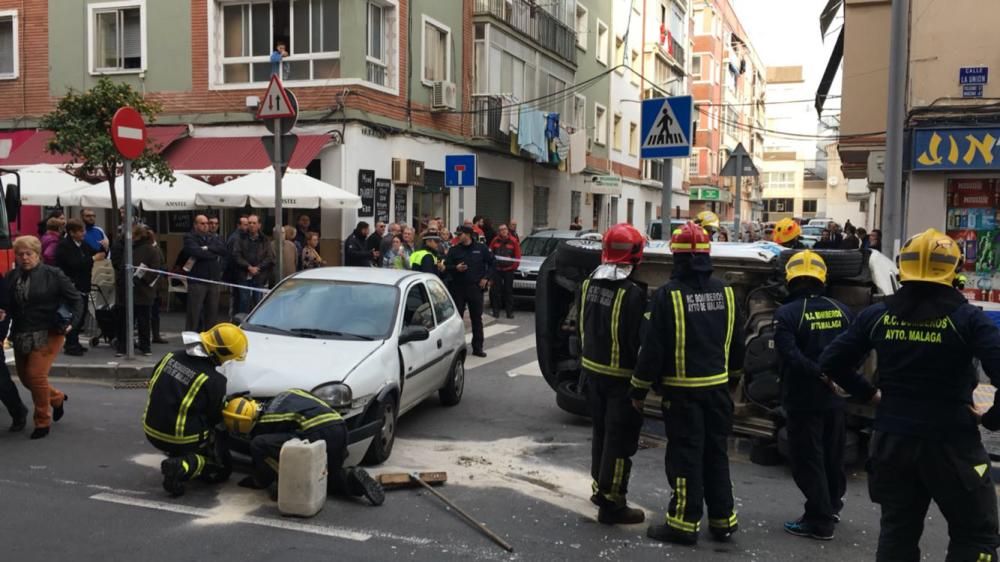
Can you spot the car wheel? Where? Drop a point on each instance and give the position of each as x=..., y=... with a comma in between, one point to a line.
x=571, y=399
x=451, y=393
x=381, y=446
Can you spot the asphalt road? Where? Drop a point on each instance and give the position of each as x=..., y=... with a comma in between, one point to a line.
x=91, y=490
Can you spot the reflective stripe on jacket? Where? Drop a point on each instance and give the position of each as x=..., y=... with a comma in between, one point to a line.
x=186, y=397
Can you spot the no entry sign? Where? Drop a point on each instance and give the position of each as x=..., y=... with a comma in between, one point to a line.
x=128, y=131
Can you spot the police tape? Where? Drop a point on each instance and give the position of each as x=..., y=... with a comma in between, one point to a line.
x=197, y=279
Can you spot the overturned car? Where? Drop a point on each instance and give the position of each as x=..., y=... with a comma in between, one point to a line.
x=756, y=273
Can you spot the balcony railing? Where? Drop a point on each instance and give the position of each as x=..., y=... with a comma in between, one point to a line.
x=487, y=112
x=533, y=22
x=376, y=72
x=677, y=51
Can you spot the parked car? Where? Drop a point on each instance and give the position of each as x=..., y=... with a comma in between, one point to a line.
x=535, y=248
x=811, y=234
x=756, y=273
x=655, y=229
x=822, y=223
x=373, y=343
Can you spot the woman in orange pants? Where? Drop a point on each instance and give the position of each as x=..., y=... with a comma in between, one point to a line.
x=44, y=306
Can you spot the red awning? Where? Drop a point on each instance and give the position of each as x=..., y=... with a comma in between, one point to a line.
x=236, y=155
x=33, y=151
x=11, y=141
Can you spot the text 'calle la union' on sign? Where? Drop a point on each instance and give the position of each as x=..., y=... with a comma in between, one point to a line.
x=956, y=149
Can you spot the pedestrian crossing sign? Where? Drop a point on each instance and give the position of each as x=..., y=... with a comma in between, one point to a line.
x=667, y=127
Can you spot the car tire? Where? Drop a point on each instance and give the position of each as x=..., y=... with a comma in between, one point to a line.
x=381, y=446
x=451, y=393
x=570, y=398
x=840, y=264
x=579, y=254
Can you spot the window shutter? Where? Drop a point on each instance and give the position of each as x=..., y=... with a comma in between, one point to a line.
x=131, y=33
x=7, y=46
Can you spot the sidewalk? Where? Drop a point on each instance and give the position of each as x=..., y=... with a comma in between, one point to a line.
x=100, y=362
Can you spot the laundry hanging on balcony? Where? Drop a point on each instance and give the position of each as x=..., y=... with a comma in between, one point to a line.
x=508, y=114
x=577, y=151
x=531, y=133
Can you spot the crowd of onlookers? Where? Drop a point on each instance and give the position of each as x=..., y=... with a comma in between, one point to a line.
x=833, y=237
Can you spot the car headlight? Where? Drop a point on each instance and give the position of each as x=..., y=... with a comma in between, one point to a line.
x=337, y=395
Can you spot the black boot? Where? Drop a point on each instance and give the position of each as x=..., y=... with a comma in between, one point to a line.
x=39, y=433
x=620, y=515
x=19, y=421
x=723, y=535
x=173, y=477
x=360, y=481
x=666, y=533
x=57, y=412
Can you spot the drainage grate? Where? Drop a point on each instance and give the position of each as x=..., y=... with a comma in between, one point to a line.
x=130, y=384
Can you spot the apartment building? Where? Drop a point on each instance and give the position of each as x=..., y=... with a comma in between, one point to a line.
x=728, y=84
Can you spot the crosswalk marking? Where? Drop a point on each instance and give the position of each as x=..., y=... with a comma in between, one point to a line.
x=506, y=350
x=532, y=369
x=490, y=331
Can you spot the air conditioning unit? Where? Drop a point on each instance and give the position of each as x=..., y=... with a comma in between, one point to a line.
x=444, y=96
x=409, y=172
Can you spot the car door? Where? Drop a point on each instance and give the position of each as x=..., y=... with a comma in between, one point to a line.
x=450, y=328
x=421, y=360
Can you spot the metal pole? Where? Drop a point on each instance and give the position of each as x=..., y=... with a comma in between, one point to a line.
x=129, y=273
x=892, y=220
x=737, y=197
x=666, y=197
x=279, y=231
x=461, y=206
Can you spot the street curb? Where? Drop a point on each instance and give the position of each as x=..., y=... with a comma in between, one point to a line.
x=108, y=371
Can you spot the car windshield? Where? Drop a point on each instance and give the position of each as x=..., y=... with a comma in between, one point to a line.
x=316, y=308
x=812, y=230
x=537, y=246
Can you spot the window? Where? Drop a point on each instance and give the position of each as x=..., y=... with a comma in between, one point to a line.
x=732, y=121
x=8, y=44
x=602, y=43
x=694, y=166
x=443, y=307
x=778, y=180
x=579, y=113
x=614, y=210
x=600, y=124
x=376, y=44
x=630, y=211
x=310, y=30
x=634, y=61
x=418, y=311
x=437, y=52
x=117, y=37
x=619, y=58
x=863, y=206
x=616, y=132
x=809, y=205
x=581, y=26
x=696, y=67
x=648, y=212
x=633, y=139
x=540, y=209
x=574, y=205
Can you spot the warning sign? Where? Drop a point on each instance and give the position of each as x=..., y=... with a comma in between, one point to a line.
x=667, y=127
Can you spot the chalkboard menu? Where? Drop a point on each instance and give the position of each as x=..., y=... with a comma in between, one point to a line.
x=383, y=190
x=366, y=190
x=401, y=194
x=180, y=222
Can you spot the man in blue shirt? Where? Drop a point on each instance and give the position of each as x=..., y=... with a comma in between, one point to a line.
x=95, y=236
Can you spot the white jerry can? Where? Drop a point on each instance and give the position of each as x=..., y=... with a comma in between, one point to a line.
x=302, y=475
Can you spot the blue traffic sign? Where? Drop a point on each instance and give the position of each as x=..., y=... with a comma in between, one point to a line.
x=974, y=75
x=460, y=170
x=667, y=127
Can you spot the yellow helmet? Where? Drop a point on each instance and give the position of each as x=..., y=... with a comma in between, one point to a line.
x=707, y=219
x=931, y=256
x=785, y=231
x=225, y=342
x=240, y=414
x=806, y=263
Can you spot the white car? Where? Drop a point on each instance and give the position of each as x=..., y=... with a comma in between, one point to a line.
x=372, y=342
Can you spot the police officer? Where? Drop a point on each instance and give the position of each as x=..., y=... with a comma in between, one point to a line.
x=804, y=326
x=297, y=414
x=960, y=281
x=787, y=233
x=926, y=443
x=693, y=343
x=184, y=408
x=710, y=222
x=426, y=259
x=470, y=266
x=610, y=307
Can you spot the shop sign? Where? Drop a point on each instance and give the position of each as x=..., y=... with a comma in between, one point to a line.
x=709, y=194
x=956, y=149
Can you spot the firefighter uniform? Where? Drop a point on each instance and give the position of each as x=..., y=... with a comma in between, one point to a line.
x=815, y=413
x=183, y=410
x=610, y=308
x=926, y=443
x=693, y=342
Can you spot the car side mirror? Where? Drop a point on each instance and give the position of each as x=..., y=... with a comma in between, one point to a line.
x=240, y=318
x=413, y=333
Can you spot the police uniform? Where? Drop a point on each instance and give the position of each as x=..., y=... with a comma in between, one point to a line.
x=815, y=413
x=183, y=412
x=464, y=285
x=610, y=315
x=693, y=343
x=424, y=261
x=926, y=443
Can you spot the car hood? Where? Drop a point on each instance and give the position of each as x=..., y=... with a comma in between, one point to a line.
x=276, y=363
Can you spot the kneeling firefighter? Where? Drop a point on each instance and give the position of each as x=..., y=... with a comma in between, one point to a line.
x=804, y=326
x=297, y=414
x=610, y=307
x=693, y=342
x=183, y=415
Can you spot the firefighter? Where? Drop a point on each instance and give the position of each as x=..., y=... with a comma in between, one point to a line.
x=787, y=233
x=926, y=443
x=693, y=342
x=610, y=307
x=960, y=281
x=184, y=410
x=804, y=326
x=297, y=414
x=710, y=222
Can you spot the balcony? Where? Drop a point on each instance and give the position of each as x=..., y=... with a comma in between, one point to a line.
x=376, y=72
x=534, y=23
x=677, y=51
x=487, y=111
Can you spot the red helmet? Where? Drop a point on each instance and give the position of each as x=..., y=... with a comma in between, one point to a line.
x=690, y=239
x=623, y=245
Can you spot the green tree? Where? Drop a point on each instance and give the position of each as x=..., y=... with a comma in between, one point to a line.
x=81, y=124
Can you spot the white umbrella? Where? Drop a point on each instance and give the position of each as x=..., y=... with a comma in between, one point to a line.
x=151, y=194
x=45, y=184
x=298, y=191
